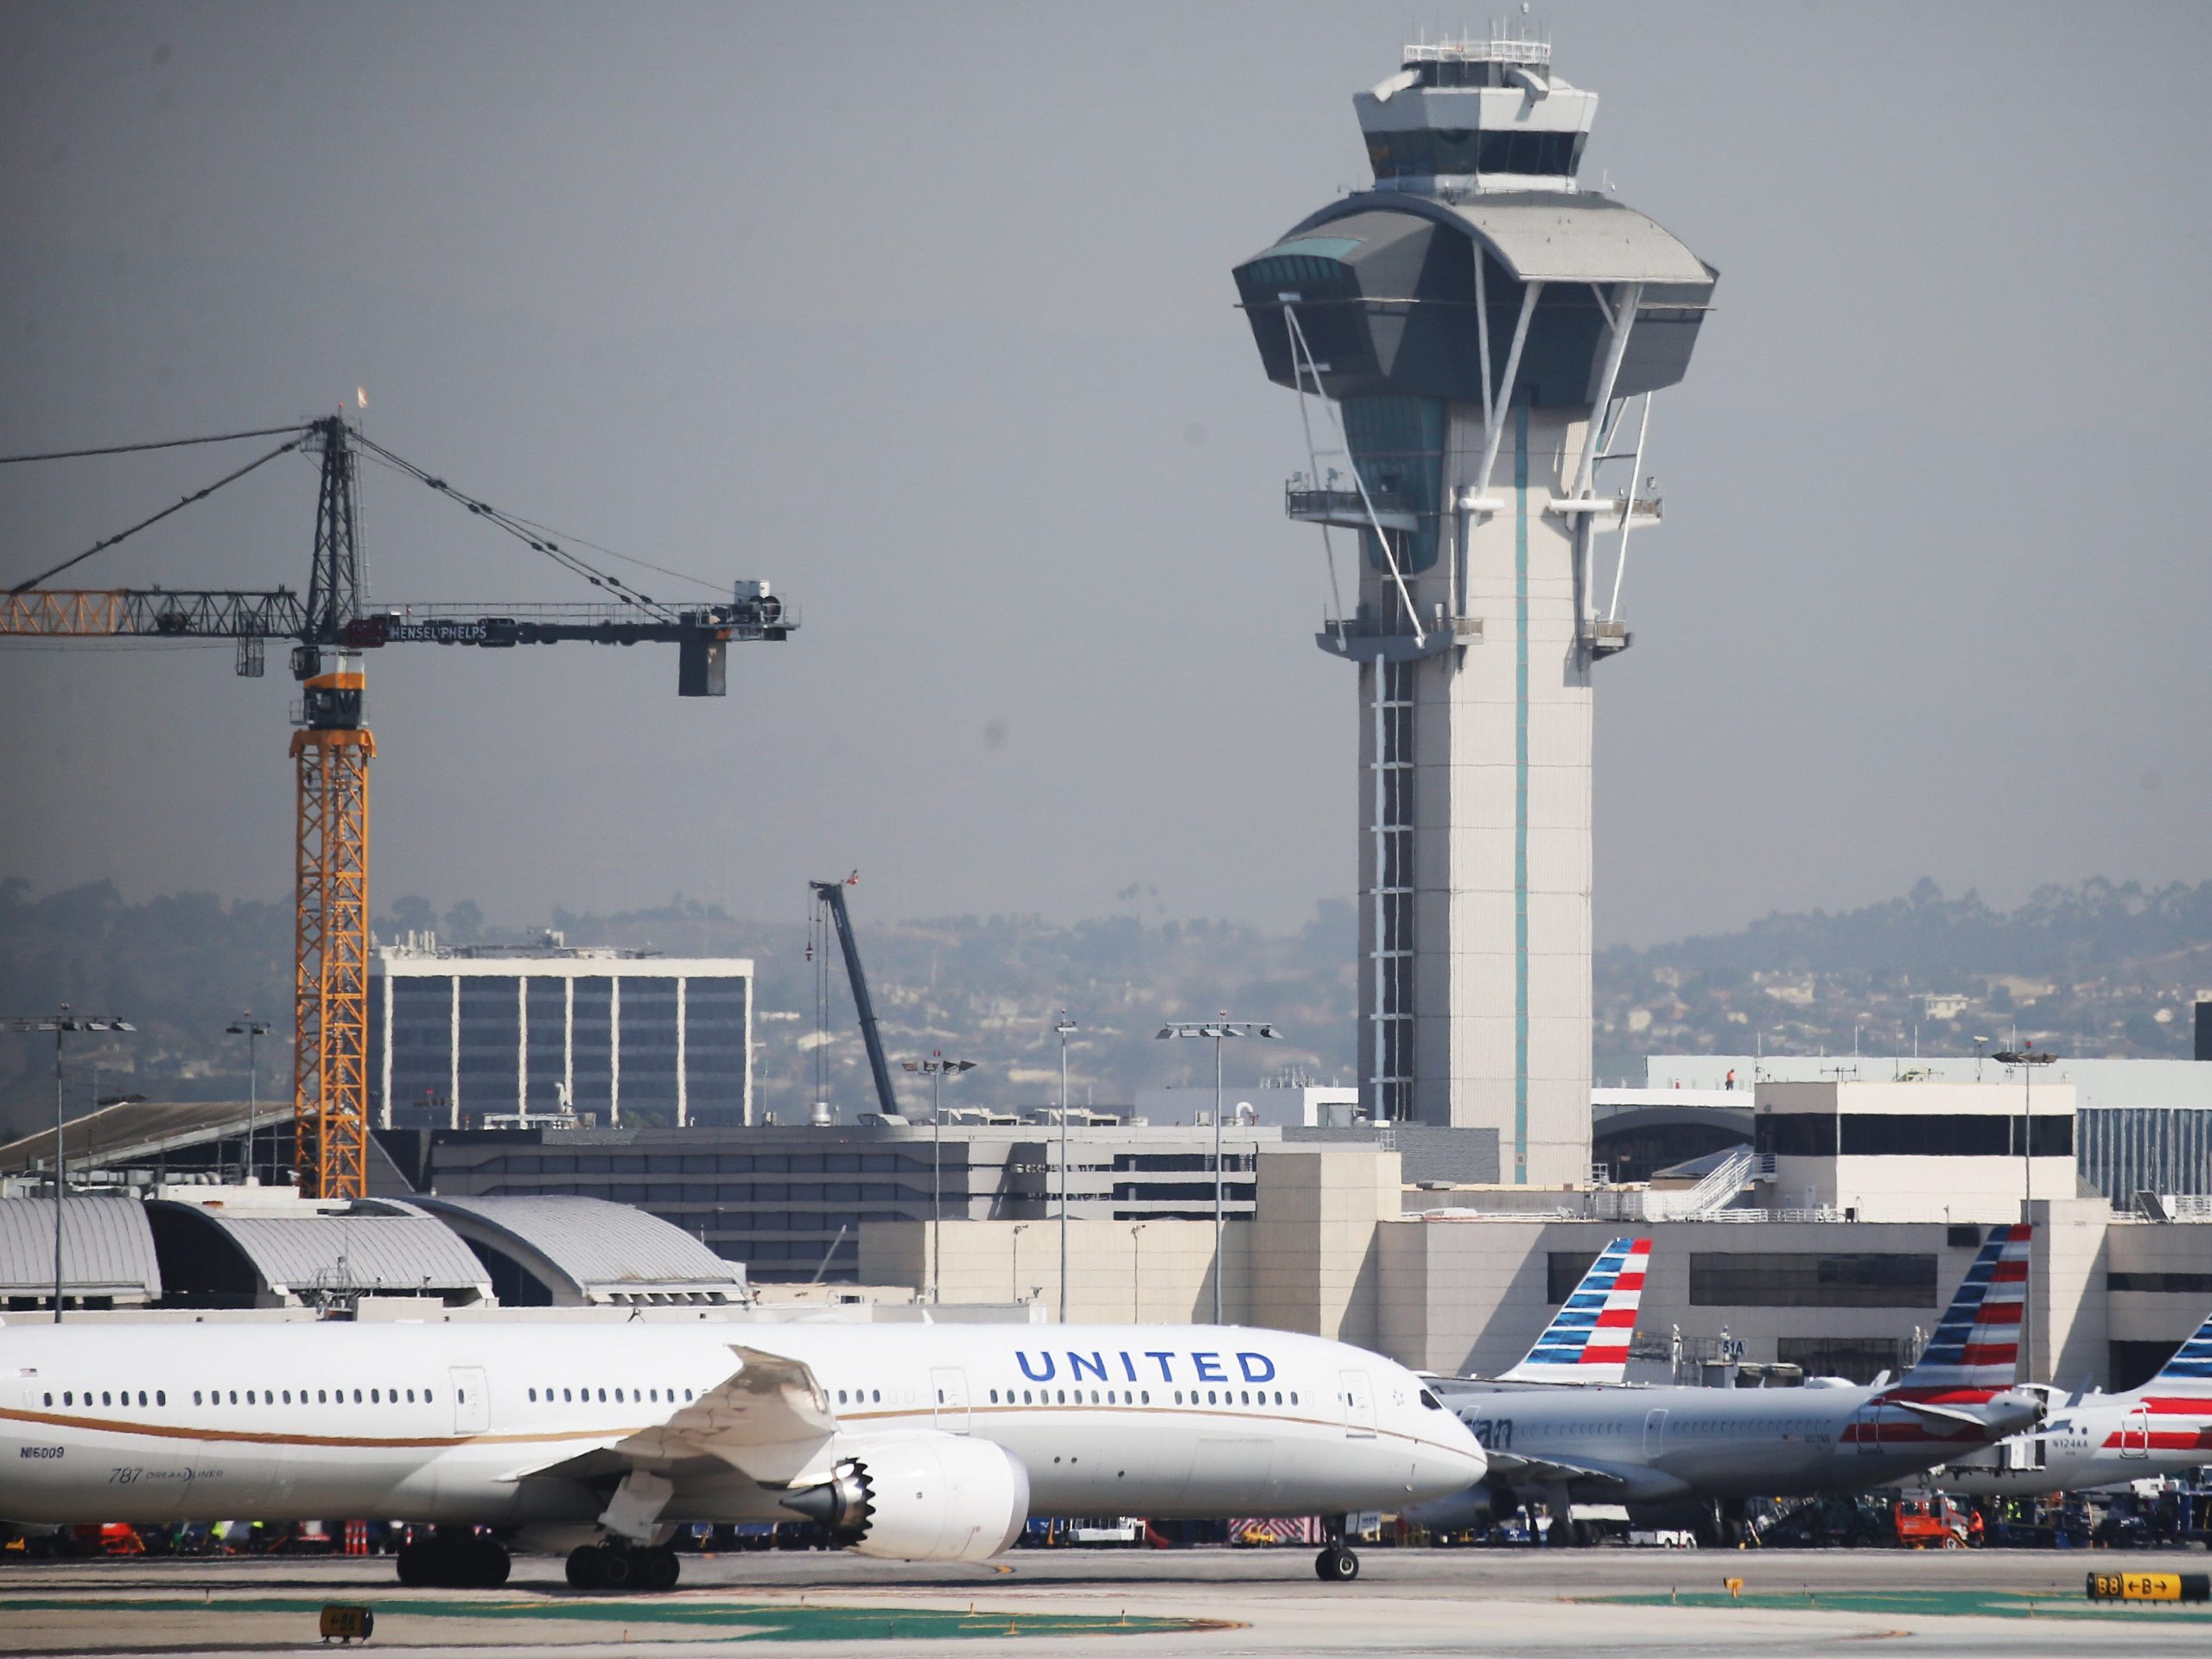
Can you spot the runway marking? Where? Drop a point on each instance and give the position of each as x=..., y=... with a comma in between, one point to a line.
x=1936, y=1604
x=756, y=1621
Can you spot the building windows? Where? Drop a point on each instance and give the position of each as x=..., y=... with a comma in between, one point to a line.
x=1390, y=1000
x=1563, y=1271
x=1743, y=1279
x=2194, y=1284
x=1899, y=1134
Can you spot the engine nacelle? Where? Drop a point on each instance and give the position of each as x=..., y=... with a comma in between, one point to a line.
x=925, y=1497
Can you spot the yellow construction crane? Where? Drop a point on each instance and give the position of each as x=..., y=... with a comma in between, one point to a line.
x=331, y=628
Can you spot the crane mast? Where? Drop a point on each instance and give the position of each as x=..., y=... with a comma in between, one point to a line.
x=333, y=628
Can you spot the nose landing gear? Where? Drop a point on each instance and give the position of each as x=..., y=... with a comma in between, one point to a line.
x=1336, y=1563
x=620, y=1567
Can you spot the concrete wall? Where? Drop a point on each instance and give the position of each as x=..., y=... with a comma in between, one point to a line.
x=1119, y=1272
x=1315, y=1267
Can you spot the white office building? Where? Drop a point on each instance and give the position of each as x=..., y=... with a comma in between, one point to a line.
x=496, y=1036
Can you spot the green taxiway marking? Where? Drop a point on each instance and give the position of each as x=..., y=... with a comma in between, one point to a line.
x=1984, y=1604
x=759, y=1621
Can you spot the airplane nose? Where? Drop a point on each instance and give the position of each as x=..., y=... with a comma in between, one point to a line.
x=1447, y=1460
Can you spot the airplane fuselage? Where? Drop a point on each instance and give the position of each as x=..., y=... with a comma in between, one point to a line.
x=446, y=1422
x=1658, y=1446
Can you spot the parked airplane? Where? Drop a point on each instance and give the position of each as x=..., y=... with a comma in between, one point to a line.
x=931, y=1442
x=2101, y=1440
x=1588, y=1339
x=1671, y=1455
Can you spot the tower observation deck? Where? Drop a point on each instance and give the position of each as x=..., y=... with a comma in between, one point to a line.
x=1475, y=342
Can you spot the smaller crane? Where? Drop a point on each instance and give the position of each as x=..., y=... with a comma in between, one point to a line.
x=830, y=896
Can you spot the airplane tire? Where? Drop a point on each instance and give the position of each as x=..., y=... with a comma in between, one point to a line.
x=583, y=1567
x=1336, y=1565
x=658, y=1569
x=416, y=1566
x=487, y=1565
x=617, y=1570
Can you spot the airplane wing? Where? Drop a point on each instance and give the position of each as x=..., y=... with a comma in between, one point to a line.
x=1941, y=1413
x=1516, y=1470
x=769, y=1419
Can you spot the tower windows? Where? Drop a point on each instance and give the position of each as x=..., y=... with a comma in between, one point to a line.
x=1390, y=990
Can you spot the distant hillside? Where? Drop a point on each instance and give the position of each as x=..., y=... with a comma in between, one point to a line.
x=2095, y=968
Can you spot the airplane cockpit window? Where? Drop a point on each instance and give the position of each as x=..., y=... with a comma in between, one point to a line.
x=1431, y=1400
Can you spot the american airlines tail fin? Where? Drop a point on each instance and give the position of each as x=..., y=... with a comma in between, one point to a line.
x=1977, y=1343
x=2189, y=1371
x=1587, y=1339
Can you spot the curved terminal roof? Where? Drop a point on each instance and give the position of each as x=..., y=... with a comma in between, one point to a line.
x=1547, y=237
x=376, y=1248
x=107, y=1250
x=585, y=1251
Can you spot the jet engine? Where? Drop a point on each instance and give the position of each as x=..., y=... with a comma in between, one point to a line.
x=926, y=1496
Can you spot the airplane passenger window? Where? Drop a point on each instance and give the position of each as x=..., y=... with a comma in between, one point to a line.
x=356, y=1397
x=1147, y=1396
x=373, y=1400
x=321, y=1398
x=70, y=1399
x=618, y=1396
x=426, y=1396
x=565, y=1394
x=686, y=1393
x=49, y=1399
x=533, y=1395
x=602, y=1396
x=235, y=1396
x=1293, y=1397
x=841, y=1396
x=1025, y=1396
x=878, y=1394
x=652, y=1394
x=142, y=1397
x=1179, y=1396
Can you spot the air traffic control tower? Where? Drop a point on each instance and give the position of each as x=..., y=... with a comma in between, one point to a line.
x=1475, y=342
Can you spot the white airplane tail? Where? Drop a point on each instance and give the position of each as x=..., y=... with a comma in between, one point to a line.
x=1976, y=1347
x=1587, y=1339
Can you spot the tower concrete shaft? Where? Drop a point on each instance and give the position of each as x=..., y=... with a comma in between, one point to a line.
x=1474, y=343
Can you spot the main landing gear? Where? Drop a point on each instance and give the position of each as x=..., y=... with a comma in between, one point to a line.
x=614, y=1566
x=453, y=1561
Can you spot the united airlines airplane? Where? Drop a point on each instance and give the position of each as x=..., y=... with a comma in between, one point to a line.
x=932, y=1443
x=1697, y=1453
x=2102, y=1440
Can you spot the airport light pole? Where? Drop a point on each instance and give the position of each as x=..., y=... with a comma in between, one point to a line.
x=253, y=1031
x=1217, y=1030
x=1067, y=1028
x=1136, y=1279
x=937, y=1068
x=2027, y=1059
x=61, y=1024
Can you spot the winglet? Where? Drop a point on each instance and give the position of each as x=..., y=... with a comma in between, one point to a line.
x=1587, y=1339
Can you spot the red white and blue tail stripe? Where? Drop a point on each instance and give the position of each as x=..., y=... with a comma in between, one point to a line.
x=2189, y=1371
x=2173, y=1411
x=1976, y=1347
x=1587, y=1339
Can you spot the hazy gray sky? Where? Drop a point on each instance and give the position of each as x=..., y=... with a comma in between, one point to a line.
x=925, y=314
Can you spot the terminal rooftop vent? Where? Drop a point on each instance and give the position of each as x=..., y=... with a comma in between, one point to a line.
x=1471, y=116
